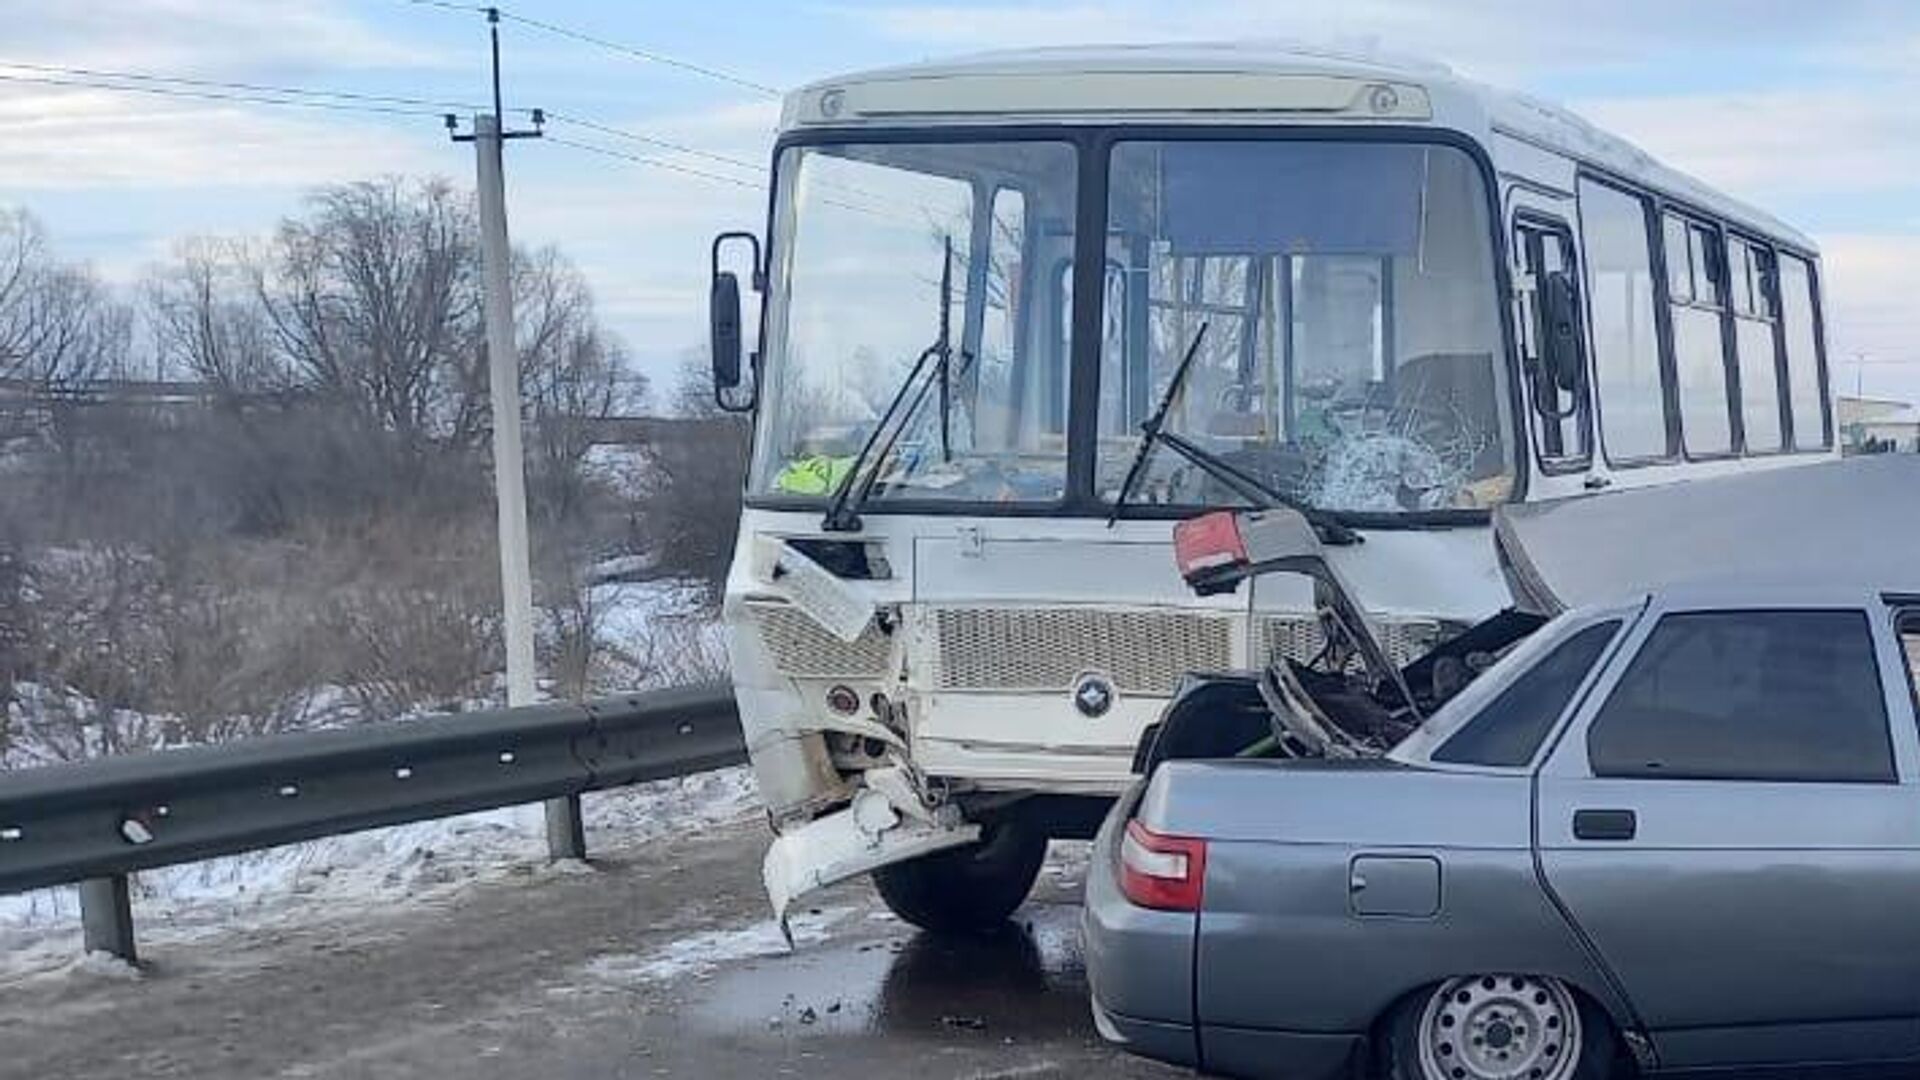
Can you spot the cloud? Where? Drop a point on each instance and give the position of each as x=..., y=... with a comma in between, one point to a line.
x=1829, y=122
x=1871, y=284
x=1490, y=38
x=63, y=140
x=207, y=36
x=1778, y=142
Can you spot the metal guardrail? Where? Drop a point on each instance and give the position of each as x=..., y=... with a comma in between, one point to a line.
x=94, y=822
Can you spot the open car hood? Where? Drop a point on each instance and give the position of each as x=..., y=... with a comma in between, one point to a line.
x=1855, y=518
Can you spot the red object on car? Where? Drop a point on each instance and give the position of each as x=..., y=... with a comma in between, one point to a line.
x=1162, y=872
x=1208, y=543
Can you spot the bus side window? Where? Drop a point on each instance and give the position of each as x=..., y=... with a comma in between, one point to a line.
x=1559, y=414
x=1628, y=377
x=1805, y=388
x=1755, y=326
x=1697, y=320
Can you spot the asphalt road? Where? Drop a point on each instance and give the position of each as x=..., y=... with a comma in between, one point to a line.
x=659, y=962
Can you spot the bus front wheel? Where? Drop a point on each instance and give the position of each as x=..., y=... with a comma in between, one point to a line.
x=967, y=889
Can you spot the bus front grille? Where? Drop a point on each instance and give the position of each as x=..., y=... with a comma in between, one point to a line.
x=803, y=649
x=1143, y=652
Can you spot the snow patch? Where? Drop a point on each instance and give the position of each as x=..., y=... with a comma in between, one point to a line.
x=352, y=876
x=102, y=965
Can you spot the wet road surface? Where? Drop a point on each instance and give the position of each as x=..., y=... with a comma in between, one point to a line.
x=658, y=963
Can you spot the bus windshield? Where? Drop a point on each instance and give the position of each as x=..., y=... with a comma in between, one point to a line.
x=861, y=245
x=1353, y=353
x=1352, y=358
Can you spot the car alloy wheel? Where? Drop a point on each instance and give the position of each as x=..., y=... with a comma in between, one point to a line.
x=1500, y=1027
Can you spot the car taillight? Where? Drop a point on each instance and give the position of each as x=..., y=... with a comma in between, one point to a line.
x=1208, y=543
x=1164, y=872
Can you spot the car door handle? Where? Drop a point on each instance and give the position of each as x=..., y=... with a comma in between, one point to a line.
x=1604, y=824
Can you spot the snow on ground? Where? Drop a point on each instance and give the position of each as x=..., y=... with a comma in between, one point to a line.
x=632, y=616
x=340, y=875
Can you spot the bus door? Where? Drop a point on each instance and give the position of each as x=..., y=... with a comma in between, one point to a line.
x=1549, y=324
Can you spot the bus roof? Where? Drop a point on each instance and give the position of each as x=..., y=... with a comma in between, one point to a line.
x=1229, y=82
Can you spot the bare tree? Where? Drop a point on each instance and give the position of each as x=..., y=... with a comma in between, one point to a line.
x=206, y=321
x=573, y=374
x=321, y=539
x=374, y=300
x=692, y=481
x=58, y=323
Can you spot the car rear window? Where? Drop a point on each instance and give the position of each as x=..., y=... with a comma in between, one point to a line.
x=1749, y=695
x=1910, y=648
x=1509, y=729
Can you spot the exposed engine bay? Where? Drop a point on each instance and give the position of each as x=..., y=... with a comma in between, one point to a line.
x=1348, y=701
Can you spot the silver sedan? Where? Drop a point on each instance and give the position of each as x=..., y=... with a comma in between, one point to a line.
x=1680, y=831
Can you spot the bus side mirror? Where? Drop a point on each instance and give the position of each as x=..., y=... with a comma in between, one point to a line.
x=1560, y=333
x=723, y=303
x=725, y=335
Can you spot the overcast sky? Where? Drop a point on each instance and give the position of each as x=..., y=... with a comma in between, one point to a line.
x=1810, y=109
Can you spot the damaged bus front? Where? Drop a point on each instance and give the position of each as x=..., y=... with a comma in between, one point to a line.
x=1019, y=315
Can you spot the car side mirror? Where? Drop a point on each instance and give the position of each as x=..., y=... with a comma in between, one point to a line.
x=725, y=333
x=1560, y=333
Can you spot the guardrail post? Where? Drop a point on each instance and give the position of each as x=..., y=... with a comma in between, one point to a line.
x=566, y=829
x=106, y=916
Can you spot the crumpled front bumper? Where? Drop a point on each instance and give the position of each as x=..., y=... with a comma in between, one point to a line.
x=868, y=834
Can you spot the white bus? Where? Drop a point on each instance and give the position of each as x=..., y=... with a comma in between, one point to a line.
x=1372, y=290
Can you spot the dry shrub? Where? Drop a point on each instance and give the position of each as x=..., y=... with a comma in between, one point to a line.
x=248, y=637
x=409, y=609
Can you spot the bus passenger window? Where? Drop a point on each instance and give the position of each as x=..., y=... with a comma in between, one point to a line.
x=1699, y=360
x=1754, y=328
x=1626, y=344
x=1804, y=386
x=1679, y=270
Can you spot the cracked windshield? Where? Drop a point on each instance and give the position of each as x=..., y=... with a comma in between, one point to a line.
x=923, y=279
x=1348, y=359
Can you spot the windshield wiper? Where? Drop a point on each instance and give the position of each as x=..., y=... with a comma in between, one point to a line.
x=1153, y=430
x=843, y=513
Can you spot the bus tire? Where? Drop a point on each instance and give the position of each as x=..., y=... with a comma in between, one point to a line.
x=966, y=890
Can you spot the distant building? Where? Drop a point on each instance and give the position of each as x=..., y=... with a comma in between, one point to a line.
x=1877, y=423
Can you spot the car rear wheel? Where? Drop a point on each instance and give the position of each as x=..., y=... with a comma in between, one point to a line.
x=968, y=889
x=1497, y=1027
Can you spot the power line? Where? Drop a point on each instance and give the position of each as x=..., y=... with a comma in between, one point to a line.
x=642, y=54
x=606, y=151
x=634, y=51
x=213, y=95
x=752, y=185
x=290, y=91
x=739, y=163
x=199, y=89
x=651, y=140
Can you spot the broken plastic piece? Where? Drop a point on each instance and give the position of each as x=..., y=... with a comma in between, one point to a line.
x=869, y=834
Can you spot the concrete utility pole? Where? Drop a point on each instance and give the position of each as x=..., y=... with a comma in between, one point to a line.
x=566, y=832
x=503, y=374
